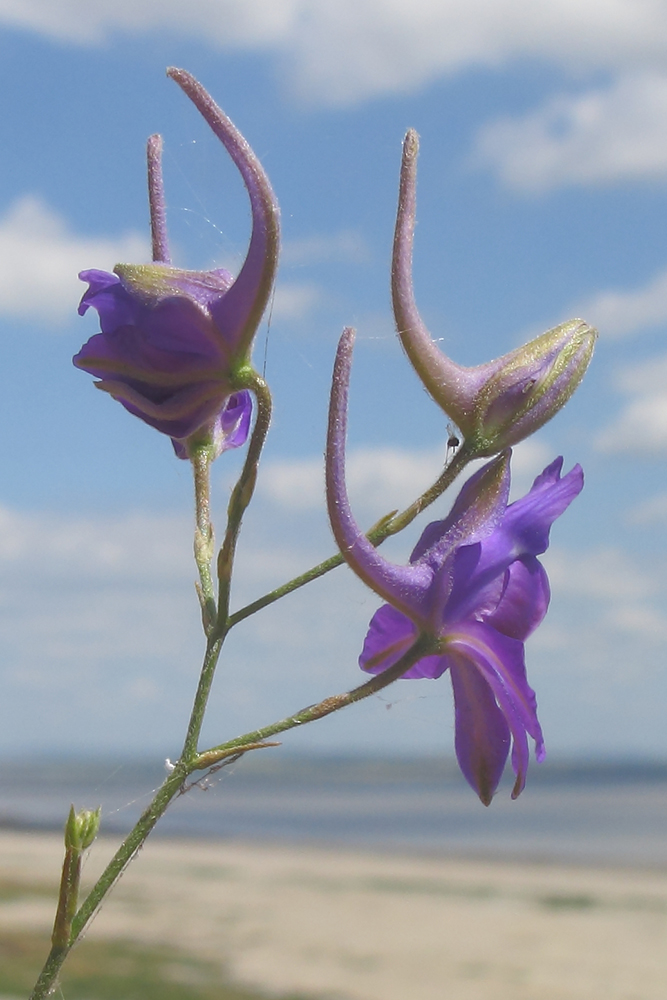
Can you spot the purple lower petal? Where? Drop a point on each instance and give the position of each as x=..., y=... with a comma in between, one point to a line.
x=482, y=733
x=178, y=415
x=234, y=421
x=229, y=430
x=390, y=635
x=500, y=660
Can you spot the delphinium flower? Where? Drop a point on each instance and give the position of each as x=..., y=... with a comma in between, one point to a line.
x=499, y=403
x=174, y=343
x=474, y=584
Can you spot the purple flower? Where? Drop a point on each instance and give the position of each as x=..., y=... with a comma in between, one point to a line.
x=174, y=344
x=475, y=585
x=499, y=403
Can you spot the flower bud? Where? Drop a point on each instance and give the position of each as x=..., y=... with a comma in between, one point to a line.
x=81, y=828
x=532, y=385
x=499, y=403
x=174, y=344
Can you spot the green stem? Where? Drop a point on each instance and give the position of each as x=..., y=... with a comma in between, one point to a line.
x=242, y=492
x=387, y=526
x=201, y=698
x=48, y=975
x=67, y=899
x=424, y=646
x=204, y=539
x=112, y=872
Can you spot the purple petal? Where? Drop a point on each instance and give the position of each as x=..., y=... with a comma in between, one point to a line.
x=529, y=519
x=476, y=512
x=524, y=600
x=390, y=635
x=234, y=420
x=179, y=414
x=482, y=733
x=113, y=303
x=522, y=534
x=230, y=428
x=173, y=344
x=500, y=661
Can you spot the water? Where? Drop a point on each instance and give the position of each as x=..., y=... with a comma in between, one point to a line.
x=582, y=813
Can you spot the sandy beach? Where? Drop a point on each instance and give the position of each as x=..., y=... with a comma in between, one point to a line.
x=363, y=926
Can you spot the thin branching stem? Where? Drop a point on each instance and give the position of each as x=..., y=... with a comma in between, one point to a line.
x=173, y=784
x=204, y=539
x=387, y=526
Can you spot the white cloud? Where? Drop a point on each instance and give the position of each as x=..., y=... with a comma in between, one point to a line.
x=40, y=259
x=353, y=49
x=622, y=313
x=614, y=592
x=602, y=575
x=378, y=479
x=294, y=301
x=641, y=426
x=606, y=134
x=132, y=547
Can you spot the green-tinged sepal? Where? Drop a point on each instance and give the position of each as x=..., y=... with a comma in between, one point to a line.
x=82, y=828
x=529, y=388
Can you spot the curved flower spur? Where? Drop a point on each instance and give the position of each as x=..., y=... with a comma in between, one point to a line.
x=174, y=344
x=474, y=585
x=497, y=404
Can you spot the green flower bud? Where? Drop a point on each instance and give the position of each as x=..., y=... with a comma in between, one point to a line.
x=82, y=828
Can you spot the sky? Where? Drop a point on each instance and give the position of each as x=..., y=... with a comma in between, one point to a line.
x=542, y=196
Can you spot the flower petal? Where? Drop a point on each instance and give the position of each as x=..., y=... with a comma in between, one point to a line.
x=113, y=303
x=230, y=428
x=522, y=534
x=529, y=519
x=477, y=511
x=173, y=346
x=179, y=414
x=500, y=661
x=482, y=733
x=390, y=635
x=524, y=600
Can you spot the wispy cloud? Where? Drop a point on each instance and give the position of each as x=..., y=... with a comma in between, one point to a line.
x=40, y=258
x=621, y=313
x=377, y=478
x=641, y=425
x=602, y=135
x=383, y=478
x=295, y=300
x=355, y=49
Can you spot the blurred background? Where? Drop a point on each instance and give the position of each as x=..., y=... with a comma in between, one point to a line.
x=542, y=196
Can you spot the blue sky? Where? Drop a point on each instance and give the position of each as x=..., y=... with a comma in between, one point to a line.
x=542, y=196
